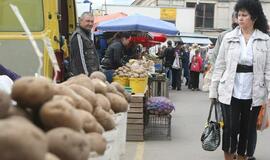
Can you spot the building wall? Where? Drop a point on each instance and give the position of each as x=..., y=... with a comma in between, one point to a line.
x=222, y=14
x=184, y=16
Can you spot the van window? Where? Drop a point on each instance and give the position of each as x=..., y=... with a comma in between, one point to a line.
x=31, y=10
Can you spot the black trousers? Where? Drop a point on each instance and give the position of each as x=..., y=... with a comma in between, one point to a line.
x=239, y=131
x=176, y=78
x=194, y=79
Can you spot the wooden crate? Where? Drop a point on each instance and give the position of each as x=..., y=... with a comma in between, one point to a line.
x=135, y=121
x=159, y=88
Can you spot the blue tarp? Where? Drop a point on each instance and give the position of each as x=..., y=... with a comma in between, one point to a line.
x=138, y=22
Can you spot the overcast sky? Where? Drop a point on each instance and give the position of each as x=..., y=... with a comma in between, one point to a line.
x=98, y=3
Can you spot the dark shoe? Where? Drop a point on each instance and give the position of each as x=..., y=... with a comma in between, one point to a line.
x=173, y=88
x=197, y=89
x=178, y=89
x=251, y=158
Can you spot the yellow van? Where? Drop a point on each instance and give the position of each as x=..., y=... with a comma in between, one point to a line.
x=54, y=18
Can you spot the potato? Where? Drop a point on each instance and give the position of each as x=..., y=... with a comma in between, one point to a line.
x=100, y=86
x=85, y=93
x=5, y=102
x=32, y=91
x=90, y=123
x=79, y=101
x=67, y=144
x=98, y=143
x=50, y=156
x=118, y=103
x=111, y=88
x=21, y=140
x=118, y=86
x=111, y=112
x=82, y=80
x=59, y=113
x=104, y=118
x=127, y=96
x=103, y=102
x=98, y=75
x=17, y=111
x=65, y=98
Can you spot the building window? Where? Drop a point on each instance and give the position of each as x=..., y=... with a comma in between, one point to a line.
x=204, y=14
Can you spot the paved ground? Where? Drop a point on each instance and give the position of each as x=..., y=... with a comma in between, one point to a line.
x=187, y=125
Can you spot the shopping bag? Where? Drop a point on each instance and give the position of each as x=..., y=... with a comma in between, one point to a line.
x=211, y=135
x=263, y=118
x=176, y=62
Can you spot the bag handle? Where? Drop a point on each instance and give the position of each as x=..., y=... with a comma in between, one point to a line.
x=213, y=104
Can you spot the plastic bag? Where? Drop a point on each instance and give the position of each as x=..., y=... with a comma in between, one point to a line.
x=176, y=62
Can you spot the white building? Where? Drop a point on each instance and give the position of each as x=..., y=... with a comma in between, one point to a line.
x=208, y=17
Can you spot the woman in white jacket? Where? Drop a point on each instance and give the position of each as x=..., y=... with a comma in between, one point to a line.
x=241, y=79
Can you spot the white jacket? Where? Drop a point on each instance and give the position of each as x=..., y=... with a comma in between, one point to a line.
x=225, y=68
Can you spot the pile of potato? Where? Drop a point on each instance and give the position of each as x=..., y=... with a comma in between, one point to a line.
x=135, y=69
x=59, y=121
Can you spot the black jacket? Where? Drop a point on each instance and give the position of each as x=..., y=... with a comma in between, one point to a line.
x=90, y=56
x=169, y=56
x=115, y=56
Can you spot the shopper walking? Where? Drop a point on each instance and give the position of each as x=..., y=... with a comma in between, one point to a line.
x=177, y=68
x=241, y=79
x=195, y=69
x=168, y=60
x=185, y=63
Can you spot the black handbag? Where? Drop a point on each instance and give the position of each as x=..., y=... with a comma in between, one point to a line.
x=211, y=135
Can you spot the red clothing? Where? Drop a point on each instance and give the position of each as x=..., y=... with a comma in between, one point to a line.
x=196, y=63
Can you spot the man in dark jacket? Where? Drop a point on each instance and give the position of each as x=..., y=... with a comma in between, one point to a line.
x=83, y=55
x=116, y=55
x=169, y=54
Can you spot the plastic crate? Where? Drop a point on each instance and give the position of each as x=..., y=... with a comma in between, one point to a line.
x=138, y=85
x=121, y=80
x=157, y=126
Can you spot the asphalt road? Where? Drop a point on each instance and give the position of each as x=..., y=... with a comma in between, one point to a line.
x=188, y=121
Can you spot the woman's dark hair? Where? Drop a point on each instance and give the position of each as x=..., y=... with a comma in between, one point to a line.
x=254, y=8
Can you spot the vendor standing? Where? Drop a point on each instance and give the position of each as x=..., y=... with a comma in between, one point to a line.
x=83, y=55
x=115, y=55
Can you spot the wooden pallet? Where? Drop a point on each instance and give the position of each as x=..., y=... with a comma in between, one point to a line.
x=135, y=121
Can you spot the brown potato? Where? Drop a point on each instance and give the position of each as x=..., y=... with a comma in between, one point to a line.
x=65, y=98
x=82, y=80
x=100, y=86
x=103, y=102
x=90, y=123
x=98, y=75
x=67, y=144
x=79, y=101
x=104, y=118
x=50, y=156
x=32, y=91
x=19, y=139
x=118, y=103
x=59, y=113
x=111, y=88
x=118, y=86
x=85, y=93
x=17, y=111
x=5, y=102
x=98, y=143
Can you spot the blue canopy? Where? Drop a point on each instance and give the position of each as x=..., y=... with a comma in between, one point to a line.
x=138, y=22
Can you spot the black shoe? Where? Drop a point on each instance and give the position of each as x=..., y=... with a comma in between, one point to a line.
x=178, y=89
x=173, y=88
